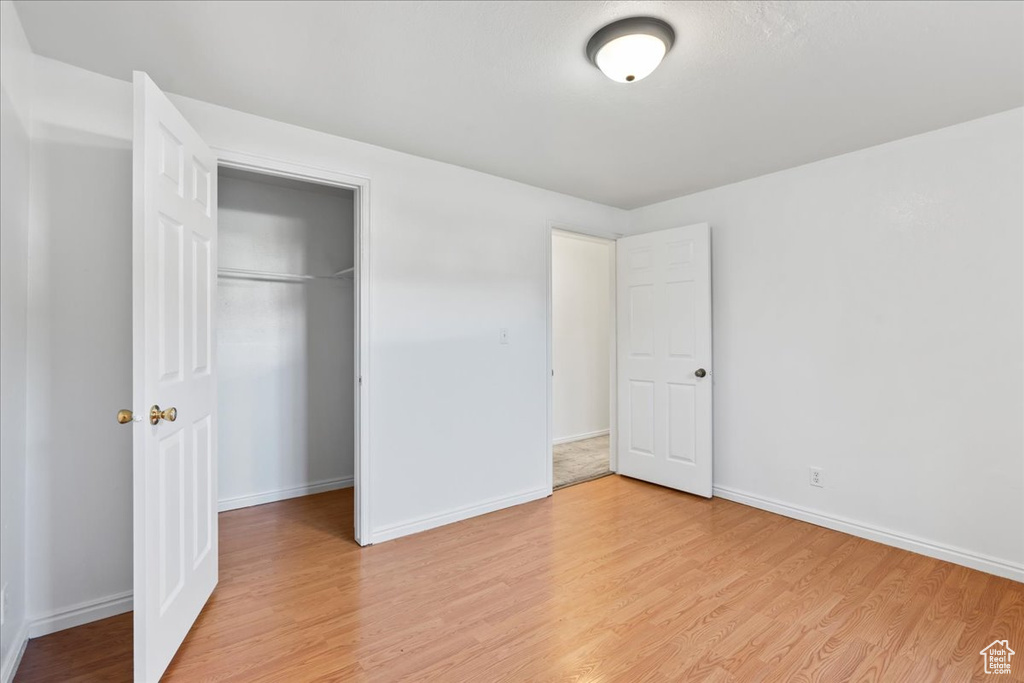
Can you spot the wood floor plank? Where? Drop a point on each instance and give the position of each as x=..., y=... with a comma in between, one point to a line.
x=611, y=580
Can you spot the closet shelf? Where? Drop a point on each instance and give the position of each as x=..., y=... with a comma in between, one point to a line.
x=245, y=274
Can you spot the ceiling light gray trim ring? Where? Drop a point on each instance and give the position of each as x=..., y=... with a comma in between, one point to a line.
x=627, y=27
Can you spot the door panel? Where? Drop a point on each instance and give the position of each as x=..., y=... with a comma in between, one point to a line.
x=174, y=461
x=664, y=338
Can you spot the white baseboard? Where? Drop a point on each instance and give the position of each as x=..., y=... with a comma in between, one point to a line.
x=966, y=558
x=283, y=494
x=457, y=515
x=13, y=658
x=580, y=437
x=79, y=614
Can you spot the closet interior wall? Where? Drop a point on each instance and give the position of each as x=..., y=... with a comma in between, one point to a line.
x=285, y=346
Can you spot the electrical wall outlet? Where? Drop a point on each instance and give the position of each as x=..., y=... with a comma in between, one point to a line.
x=503, y=335
x=816, y=477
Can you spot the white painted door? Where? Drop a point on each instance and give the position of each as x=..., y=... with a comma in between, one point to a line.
x=664, y=357
x=174, y=292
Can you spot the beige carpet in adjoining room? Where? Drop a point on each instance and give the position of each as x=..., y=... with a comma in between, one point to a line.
x=581, y=461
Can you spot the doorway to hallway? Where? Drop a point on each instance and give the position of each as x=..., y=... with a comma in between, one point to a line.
x=582, y=326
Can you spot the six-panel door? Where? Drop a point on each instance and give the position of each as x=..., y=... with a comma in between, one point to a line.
x=664, y=346
x=175, y=462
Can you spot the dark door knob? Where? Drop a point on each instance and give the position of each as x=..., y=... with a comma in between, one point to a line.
x=701, y=372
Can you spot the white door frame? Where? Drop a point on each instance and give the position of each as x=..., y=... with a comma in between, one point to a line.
x=613, y=410
x=361, y=277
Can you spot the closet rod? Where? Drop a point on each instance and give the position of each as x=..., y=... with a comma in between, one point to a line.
x=244, y=274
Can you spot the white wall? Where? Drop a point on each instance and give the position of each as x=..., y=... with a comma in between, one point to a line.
x=284, y=349
x=456, y=256
x=580, y=335
x=79, y=365
x=868, y=321
x=15, y=164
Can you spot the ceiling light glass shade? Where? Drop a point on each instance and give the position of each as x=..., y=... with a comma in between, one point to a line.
x=630, y=49
x=630, y=58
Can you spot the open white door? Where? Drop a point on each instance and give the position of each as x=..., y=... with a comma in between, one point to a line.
x=664, y=357
x=175, y=460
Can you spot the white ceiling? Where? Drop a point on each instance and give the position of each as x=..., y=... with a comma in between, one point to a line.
x=505, y=88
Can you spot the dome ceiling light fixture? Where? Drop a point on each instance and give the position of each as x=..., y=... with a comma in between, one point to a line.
x=628, y=50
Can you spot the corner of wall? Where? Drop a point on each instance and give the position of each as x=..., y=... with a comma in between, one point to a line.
x=15, y=155
x=12, y=658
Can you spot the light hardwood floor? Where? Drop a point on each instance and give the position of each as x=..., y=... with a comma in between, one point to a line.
x=612, y=580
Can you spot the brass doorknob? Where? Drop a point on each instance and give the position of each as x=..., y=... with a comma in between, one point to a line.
x=701, y=372
x=155, y=415
x=124, y=417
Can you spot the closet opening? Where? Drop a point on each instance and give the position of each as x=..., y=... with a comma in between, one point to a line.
x=288, y=339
